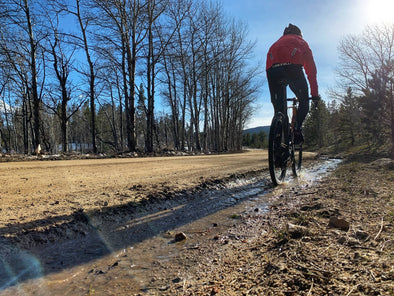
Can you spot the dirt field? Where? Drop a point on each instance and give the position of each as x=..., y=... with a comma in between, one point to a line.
x=34, y=190
x=293, y=249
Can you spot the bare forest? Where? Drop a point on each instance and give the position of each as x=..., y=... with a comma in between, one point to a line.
x=123, y=76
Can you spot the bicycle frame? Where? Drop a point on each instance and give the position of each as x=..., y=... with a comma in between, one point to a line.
x=293, y=108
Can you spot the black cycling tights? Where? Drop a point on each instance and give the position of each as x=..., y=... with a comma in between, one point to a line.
x=293, y=76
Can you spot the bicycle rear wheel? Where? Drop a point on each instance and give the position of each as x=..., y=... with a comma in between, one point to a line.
x=277, y=156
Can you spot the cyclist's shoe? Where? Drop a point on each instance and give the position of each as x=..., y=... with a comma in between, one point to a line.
x=298, y=137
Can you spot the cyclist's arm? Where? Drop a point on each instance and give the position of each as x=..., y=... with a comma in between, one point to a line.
x=311, y=72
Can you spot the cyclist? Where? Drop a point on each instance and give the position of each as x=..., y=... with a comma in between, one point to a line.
x=286, y=59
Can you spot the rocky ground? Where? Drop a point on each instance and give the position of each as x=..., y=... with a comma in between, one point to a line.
x=332, y=238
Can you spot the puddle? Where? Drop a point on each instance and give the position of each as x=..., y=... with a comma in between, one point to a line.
x=124, y=251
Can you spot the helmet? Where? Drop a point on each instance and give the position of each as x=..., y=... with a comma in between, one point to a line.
x=291, y=29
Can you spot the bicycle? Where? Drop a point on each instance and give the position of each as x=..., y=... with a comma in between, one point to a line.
x=282, y=150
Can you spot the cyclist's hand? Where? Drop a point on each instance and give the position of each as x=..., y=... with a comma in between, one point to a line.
x=316, y=98
x=315, y=101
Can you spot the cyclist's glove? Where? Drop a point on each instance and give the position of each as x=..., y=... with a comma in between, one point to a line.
x=316, y=98
x=315, y=101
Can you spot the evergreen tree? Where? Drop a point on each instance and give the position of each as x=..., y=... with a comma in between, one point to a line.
x=255, y=140
x=368, y=66
x=375, y=107
x=349, y=118
x=316, y=125
x=246, y=140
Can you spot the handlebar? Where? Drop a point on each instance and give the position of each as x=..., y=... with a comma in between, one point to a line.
x=314, y=99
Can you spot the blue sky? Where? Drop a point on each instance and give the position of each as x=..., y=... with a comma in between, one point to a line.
x=324, y=23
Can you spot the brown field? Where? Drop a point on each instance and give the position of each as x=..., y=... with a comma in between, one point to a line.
x=33, y=190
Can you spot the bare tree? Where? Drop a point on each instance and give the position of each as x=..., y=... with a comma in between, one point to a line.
x=206, y=64
x=19, y=19
x=156, y=44
x=60, y=54
x=124, y=24
x=84, y=15
x=367, y=65
x=33, y=67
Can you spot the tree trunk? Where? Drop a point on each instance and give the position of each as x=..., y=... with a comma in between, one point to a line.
x=92, y=77
x=150, y=86
x=131, y=63
x=34, y=90
x=64, y=120
x=391, y=99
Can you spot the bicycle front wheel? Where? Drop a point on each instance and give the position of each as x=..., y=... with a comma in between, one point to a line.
x=296, y=159
x=277, y=157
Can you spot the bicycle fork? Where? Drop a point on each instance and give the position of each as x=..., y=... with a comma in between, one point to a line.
x=292, y=125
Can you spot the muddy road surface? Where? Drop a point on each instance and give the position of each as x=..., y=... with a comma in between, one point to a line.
x=129, y=226
x=57, y=216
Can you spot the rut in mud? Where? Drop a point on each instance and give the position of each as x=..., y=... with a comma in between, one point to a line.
x=90, y=237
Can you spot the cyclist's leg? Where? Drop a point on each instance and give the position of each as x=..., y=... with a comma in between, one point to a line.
x=277, y=87
x=299, y=86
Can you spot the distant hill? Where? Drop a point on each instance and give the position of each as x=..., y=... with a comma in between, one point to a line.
x=256, y=130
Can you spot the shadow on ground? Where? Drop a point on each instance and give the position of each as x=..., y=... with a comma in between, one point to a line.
x=33, y=250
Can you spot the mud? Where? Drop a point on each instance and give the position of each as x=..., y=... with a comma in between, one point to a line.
x=129, y=247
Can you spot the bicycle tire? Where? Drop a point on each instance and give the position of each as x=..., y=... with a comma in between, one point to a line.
x=296, y=159
x=276, y=142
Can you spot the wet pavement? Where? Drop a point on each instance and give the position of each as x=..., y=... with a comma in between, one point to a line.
x=122, y=246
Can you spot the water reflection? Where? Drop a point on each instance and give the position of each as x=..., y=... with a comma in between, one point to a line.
x=138, y=237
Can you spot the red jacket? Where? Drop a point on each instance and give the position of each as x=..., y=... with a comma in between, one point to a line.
x=294, y=50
